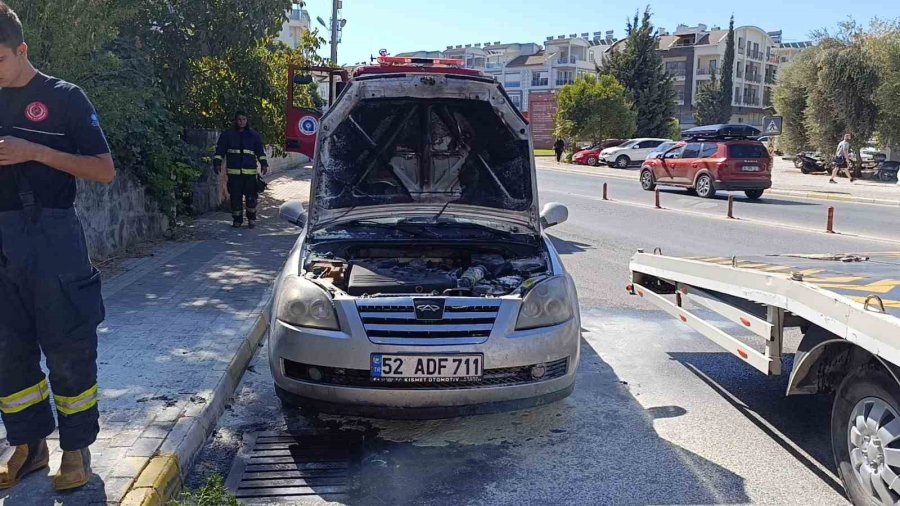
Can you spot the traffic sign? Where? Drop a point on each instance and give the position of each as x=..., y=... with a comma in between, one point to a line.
x=772, y=125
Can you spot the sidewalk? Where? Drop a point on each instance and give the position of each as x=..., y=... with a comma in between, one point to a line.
x=182, y=325
x=786, y=180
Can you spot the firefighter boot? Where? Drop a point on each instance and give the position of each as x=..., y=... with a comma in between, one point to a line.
x=25, y=460
x=75, y=470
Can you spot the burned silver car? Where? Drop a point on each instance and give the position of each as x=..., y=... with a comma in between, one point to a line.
x=423, y=284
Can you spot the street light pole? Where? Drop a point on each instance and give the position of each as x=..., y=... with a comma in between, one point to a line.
x=334, y=32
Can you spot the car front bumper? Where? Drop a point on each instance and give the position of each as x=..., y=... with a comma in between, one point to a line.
x=344, y=358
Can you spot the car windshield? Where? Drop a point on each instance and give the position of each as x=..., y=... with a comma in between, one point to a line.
x=626, y=144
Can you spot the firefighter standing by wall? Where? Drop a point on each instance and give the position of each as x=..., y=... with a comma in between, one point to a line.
x=238, y=151
x=50, y=298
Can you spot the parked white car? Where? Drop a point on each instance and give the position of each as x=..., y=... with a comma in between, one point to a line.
x=631, y=152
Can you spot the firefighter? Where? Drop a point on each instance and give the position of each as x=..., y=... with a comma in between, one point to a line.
x=238, y=151
x=50, y=297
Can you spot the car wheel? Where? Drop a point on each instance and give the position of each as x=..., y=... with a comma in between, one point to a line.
x=863, y=430
x=804, y=170
x=592, y=161
x=886, y=176
x=622, y=162
x=704, y=187
x=798, y=163
x=754, y=194
x=648, y=182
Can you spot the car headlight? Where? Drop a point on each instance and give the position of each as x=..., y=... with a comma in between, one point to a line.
x=547, y=304
x=302, y=303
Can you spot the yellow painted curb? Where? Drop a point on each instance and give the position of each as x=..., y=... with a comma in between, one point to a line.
x=157, y=483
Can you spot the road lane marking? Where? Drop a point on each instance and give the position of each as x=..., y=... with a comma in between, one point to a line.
x=724, y=218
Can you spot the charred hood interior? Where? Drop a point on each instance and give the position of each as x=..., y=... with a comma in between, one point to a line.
x=370, y=270
x=435, y=151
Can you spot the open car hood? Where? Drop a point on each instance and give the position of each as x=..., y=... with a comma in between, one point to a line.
x=423, y=144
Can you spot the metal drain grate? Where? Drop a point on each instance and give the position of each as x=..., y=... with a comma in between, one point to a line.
x=287, y=468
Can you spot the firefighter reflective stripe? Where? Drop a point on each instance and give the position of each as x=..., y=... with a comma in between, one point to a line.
x=263, y=157
x=20, y=401
x=248, y=172
x=241, y=152
x=82, y=402
x=233, y=172
x=217, y=157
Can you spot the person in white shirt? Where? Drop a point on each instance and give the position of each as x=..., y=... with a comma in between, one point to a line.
x=842, y=159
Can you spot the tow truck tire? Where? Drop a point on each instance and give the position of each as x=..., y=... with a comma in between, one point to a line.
x=868, y=397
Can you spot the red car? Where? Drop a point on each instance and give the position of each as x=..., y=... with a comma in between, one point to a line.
x=591, y=155
x=713, y=158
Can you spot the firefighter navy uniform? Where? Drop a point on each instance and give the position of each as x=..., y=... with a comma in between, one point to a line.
x=50, y=298
x=241, y=150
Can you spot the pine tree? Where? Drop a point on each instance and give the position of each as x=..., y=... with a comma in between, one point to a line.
x=709, y=103
x=639, y=67
x=723, y=113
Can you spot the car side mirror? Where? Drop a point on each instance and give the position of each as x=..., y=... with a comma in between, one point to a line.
x=293, y=212
x=660, y=156
x=553, y=214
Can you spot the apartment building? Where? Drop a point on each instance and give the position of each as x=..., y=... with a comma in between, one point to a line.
x=297, y=23
x=694, y=54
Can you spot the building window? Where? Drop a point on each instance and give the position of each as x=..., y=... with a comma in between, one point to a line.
x=737, y=95
x=679, y=93
x=516, y=101
x=676, y=68
x=740, y=70
x=540, y=78
x=740, y=43
x=513, y=81
x=564, y=77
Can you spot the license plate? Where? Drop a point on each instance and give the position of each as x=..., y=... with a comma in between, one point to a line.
x=750, y=168
x=427, y=368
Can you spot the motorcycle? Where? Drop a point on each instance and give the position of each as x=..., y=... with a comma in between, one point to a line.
x=808, y=164
x=885, y=171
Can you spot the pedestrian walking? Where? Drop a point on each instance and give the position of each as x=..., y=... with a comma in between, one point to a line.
x=238, y=151
x=842, y=159
x=50, y=299
x=558, y=147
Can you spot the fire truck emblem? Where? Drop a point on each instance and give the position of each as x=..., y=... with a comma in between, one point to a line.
x=309, y=125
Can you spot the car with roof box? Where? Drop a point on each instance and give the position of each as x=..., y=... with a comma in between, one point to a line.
x=711, y=159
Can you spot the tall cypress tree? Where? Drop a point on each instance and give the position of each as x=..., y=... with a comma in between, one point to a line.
x=639, y=67
x=726, y=83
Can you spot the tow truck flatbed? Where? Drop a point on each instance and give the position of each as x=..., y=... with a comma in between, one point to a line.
x=848, y=308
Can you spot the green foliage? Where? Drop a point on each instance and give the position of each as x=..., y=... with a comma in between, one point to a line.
x=726, y=85
x=594, y=109
x=156, y=67
x=884, y=46
x=841, y=100
x=639, y=67
x=709, y=102
x=213, y=493
x=791, y=93
x=674, y=129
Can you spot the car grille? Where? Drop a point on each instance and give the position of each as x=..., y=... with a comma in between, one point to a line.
x=361, y=378
x=395, y=322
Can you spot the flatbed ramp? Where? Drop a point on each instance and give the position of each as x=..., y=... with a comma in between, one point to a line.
x=855, y=297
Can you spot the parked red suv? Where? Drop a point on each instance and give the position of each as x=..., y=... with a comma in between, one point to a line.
x=713, y=158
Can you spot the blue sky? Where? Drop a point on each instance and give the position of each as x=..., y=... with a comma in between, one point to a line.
x=407, y=25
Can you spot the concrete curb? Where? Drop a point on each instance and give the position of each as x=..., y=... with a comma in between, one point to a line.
x=774, y=191
x=162, y=478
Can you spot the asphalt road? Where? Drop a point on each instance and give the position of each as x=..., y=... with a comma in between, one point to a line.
x=659, y=415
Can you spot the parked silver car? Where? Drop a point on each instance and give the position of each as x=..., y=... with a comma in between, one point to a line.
x=422, y=284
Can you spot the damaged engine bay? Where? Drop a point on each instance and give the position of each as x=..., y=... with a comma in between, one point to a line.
x=440, y=270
